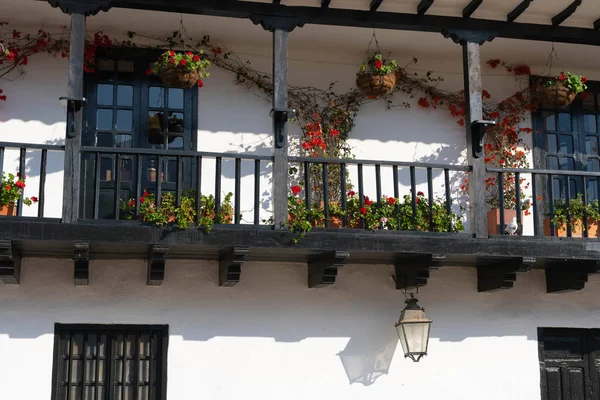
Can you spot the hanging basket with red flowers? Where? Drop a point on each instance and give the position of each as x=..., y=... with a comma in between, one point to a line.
x=181, y=70
x=377, y=77
x=559, y=91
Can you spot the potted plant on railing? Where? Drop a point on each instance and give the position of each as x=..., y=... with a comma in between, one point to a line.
x=301, y=219
x=427, y=219
x=377, y=76
x=183, y=216
x=181, y=69
x=573, y=216
x=10, y=193
x=558, y=91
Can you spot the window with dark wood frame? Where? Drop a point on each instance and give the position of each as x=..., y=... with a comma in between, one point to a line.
x=110, y=362
x=569, y=363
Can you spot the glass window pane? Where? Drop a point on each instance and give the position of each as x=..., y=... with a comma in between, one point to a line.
x=566, y=144
x=104, y=140
x=551, y=143
x=104, y=119
x=155, y=127
x=123, y=140
x=124, y=120
x=105, y=169
x=587, y=100
x=125, y=95
x=175, y=123
x=591, y=144
x=177, y=143
x=552, y=162
x=126, y=170
x=564, y=122
x=567, y=163
x=105, y=95
x=156, y=98
x=589, y=123
x=549, y=121
x=175, y=98
x=593, y=164
x=106, y=65
x=125, y=66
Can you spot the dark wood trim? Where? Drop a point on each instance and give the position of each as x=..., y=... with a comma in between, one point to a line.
x=375, y=4
x=322, y=269
x=325, y=3
x=412, y=271
x=230, y=265
x=10, y=262
x=569, y=275
x=86, y=7
x=423, y=6
x=518, y=10
x=496, y=275
x=597, y=24
x=471, y=8
x=157, y=258
x=81, y=264
x=368, y=19
x=566, y=13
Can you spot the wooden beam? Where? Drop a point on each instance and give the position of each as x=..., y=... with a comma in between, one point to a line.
x=81, y=264
x=280, y=152
x=322, y=269
x=471, y=8
x=518, y=10
x=597, y=24
x=375, y=4
x=411, y=271
x=474, y=112
x=424, y=6
x=10, y=262
x=501, y=274
x=569, y=275
x=72, y=160
x=566, y=13
x=157, y=258
x=325, y=3
x=230, y=265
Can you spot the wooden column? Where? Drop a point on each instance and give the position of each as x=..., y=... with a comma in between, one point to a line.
x=280, y=148
x=474, y=112
x=70, y=212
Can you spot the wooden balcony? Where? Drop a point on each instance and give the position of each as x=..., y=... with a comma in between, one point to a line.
x=325, y=248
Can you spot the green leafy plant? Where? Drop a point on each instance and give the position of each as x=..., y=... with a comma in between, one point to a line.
x=576, y=83
x=377, y=65
x=184, y=216
x=11, y=190
x=301, y=219
x=573, y=214
x=186, y=61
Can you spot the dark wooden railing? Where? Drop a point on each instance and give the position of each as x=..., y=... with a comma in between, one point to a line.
x=572, y=186
x=24, y=149
x=322, y=168
x=190, y=161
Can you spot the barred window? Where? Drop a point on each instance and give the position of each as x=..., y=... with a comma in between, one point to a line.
x=110, y=362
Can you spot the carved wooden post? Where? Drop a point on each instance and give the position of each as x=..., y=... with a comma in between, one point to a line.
x=70, y=212
x=280, y=27
x=474, y=112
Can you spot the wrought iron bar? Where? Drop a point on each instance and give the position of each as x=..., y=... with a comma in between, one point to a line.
x=448, y=196
x=218, y=163
x=198, y=188
x=256, y=192
x=117, y=185
x=343, y=194
x=396, y=195
x=518, y=202
x=361, y=194
x=585, y=202
x=501, y=200
x=22, y=154
x=138, y=186
x=159, y=178
x=551, y=196
x=378, y=182
x=97, y=161
x=178, y=183
x=567, y=203
x=413, y=192
x=307, y=188
x=430, y=197
x=238, y=184
x=325, y=194
x=42, y=186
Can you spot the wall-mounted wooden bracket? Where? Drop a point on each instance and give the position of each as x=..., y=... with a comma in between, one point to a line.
x=412, y=270
x=462, y=36
x=10, y=262
x=322, y=269
x=280, y=22
x=81, y=264
x=157, y=258
x=230, y=265
x=497, y=275
x=569, y=275
x=85, y=7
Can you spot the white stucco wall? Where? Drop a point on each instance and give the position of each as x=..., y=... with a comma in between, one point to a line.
x=270, y=337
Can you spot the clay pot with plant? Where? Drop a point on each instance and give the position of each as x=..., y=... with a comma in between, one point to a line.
x=181, y=69
x=11, y=191
x=573, y=215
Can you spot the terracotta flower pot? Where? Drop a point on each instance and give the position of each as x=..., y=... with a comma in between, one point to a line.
x=576, y=229
x=376, y=85
x=493, y=219
x=8, y=210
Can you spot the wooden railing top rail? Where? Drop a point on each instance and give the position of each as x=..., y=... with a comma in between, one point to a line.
x=543, y=171
x=32, y=146
x=173, y=153
x=383, y=163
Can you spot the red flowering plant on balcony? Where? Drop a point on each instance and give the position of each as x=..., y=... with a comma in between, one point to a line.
x=181, y=69
x=11, y=191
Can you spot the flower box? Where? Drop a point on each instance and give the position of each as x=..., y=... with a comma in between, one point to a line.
x=8, y=210
x=576, y=229
x=493, y=220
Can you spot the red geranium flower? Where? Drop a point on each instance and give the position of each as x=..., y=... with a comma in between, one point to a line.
x=296, y=189
x=200, y=83
x=8, y=187
x=142, y=199
x=583, y=79
x=131, y=203
x=189, y=53
x=562, y=76
x=172, y=53
x=183, y=62
x=148, y=72
x=351, y=193
x=391, y=200
x=196, y=58
x=363, y=211
x=420, y=194
x=378, y=64
x=368, y=201
x=34, y=199
x=20, y=184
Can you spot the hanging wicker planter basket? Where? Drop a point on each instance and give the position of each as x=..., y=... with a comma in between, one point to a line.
x=557, y=95
x=376, y=85
x=178, y=77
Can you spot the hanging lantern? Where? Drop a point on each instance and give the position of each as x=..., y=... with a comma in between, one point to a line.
x=413, y=330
